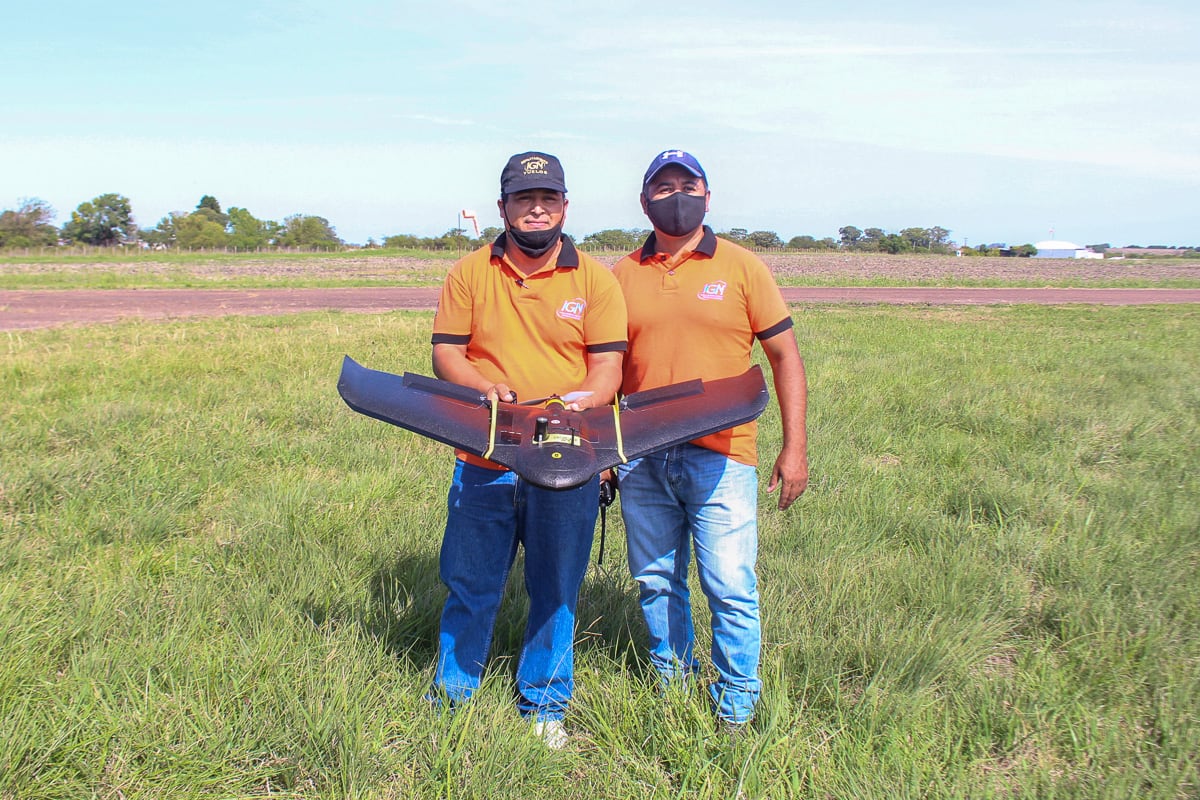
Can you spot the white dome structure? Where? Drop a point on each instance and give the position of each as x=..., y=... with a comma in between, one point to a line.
x=1059, y=249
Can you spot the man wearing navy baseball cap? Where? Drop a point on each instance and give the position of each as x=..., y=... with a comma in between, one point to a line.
x=532, y=171
x=685, y=160
x=696, y=306
x=527, y=314
x=533, y=182
x=676, y=213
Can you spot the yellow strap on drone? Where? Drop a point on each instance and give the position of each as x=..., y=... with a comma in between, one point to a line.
x=617, y=427
x=492, y=429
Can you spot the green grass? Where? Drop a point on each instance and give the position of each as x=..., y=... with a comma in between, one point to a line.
x=218, y=581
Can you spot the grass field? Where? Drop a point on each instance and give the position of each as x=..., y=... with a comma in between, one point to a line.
x=412, y=268
x=217, y=581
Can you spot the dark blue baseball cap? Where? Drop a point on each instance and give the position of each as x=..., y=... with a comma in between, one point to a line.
x=685, y=160
x=532, y=171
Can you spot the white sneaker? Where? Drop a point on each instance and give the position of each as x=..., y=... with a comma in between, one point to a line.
x=552, y=733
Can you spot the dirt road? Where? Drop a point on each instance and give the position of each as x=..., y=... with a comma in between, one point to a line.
x=48, y=308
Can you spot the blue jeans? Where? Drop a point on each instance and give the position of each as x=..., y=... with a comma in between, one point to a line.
x=489, y=513
x=688, y=496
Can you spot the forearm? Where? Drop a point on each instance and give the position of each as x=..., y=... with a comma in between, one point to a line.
x=790, y=473
x=603, y=380
x=791, y=391
x=604, y=372
x=450, y=364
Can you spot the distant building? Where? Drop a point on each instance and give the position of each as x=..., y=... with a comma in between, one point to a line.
x=1056, y=249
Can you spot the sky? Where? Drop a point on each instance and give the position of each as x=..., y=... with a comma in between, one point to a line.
x=1013, y=122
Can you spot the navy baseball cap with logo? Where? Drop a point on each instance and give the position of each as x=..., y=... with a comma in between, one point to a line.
x=685, y=160
x=532, y=171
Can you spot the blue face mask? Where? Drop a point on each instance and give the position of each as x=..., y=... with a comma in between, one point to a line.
x=677, y=214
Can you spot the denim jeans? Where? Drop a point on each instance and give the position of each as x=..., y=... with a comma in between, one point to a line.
x=683, y=497
x=489, y=513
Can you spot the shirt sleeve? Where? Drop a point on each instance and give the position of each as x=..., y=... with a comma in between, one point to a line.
x=606, y=327
x=452, y=321
x=769, y=313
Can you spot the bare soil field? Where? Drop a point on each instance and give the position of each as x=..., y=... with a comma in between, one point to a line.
x=876, y=267
x=412, y=283
x=395, y=270
x=790, y=268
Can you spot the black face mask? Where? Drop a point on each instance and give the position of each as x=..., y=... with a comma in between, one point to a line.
x=677, y=214
x=535, y=243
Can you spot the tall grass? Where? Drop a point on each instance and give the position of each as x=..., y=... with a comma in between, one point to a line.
x=217, y=581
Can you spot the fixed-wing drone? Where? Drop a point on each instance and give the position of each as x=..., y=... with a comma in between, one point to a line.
x=551, y=446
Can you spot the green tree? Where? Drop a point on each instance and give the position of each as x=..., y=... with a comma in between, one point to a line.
x=805, y=243
x=917, y=238
x=209, y=202
x=489, y=234
x=938, y=236
x=301, y=230
x=872, y=239
x=29, y=225
x=614, y=239
x=850, y=236
x=404, y=241
x=215, y=217
x=104, y=221
x=199, y=231
x=891, y=243
x=247, y=232
x=764, y=239
x=735, y=234
x=164, y=233
x=453, y=239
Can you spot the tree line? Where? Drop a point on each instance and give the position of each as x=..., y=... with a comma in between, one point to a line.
x=925, y=240
x=108, y=220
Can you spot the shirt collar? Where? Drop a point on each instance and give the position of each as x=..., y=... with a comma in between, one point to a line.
x=707, y=245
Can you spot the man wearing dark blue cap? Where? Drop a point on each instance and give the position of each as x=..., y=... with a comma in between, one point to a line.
x=526, y=315
x=696, y=306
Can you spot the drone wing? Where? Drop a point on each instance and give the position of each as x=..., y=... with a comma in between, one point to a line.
x=670, y=415
x=552, y=446
x=443, y=411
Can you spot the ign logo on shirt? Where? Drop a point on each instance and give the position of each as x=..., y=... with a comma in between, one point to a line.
x=713, y=291
x=572, y=309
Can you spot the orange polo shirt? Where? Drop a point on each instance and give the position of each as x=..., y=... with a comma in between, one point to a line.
x=697, y=316
x=534, y=332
